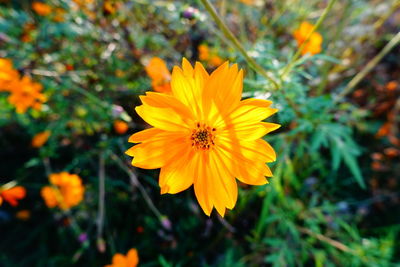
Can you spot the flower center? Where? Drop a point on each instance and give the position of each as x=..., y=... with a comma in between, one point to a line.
x=203, y=136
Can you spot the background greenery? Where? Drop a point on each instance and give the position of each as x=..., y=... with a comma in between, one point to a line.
x=334, y=197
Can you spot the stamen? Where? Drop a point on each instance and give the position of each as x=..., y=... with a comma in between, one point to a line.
x=203, y=137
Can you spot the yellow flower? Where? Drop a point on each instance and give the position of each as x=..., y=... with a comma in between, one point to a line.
x=205, y=135
x=25, y=93
x=313, y=45
x=41, y=9
x=160, y=75
x=7, y=74
x=40, y=139
x=130, y=260
x=66, y=191
x=12, y=195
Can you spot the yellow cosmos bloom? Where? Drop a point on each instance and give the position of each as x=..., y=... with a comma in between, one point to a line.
x=205, y=136
x=130, y=260
x=313, y=44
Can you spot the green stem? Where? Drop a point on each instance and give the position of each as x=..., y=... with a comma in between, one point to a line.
x=371, y=64
x=289, y=66
x=229, y=35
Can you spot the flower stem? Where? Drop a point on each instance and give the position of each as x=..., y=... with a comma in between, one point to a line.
x=289, y=66
x=371, y=64
x=230, y=36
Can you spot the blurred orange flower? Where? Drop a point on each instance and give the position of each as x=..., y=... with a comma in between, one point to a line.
x=110, y=7
x=66, y=191
x=41, y=9
x=314, y=42
x=23, y=215
x=204, y=135
x=40, y=139
x=59, y=15
x=204, y=52
x=120, y=127
x=26, y=36
x=130, y=260
x=210, y=57
x=7, y=74
x=392, y=85
x=12, y=195
x=160, y=75
x=26, y=93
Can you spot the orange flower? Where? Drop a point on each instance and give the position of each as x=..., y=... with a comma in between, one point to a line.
x=23, y=215
x=120, y=127
x=12, y=195
x=110, y=7
x=59, y=15
x=130, y=260
x=26, y=36
x=384, y=130
x=40, y=139
x=66, y=191
x=391, y=152
x=215, y=61
x=7, y=74
x=392, y=85
x=204, y=135
x=160, y=75
x=204, y=53
x=210, y=57
x=25, y=93
x=314, y=42
x=41, y=9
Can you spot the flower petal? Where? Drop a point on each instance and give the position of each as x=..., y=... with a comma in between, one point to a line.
x=179, y=174
x=164, y=118
x=156, y=153
x=249, y=111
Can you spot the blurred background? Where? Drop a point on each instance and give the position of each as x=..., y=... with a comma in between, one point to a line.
x=71, y=72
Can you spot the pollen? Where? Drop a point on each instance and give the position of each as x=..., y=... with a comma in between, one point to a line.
x=203, y=137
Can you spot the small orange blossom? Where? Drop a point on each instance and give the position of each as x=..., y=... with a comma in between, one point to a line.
x=66, y=191
x=40, y=139
x=12, y=195
x=314, y=42
x=130, y=260
x=120, y=127
x=41, y=9
x=160, y=75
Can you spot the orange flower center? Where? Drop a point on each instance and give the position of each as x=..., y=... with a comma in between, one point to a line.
x=203, y=136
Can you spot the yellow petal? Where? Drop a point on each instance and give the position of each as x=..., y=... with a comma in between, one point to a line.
x=145, y=135
x=248, y=132
x=187, y=87
x=157, y=153
x=178, y=175
x=201, y=186
x=164, y=118
x=249, y=111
